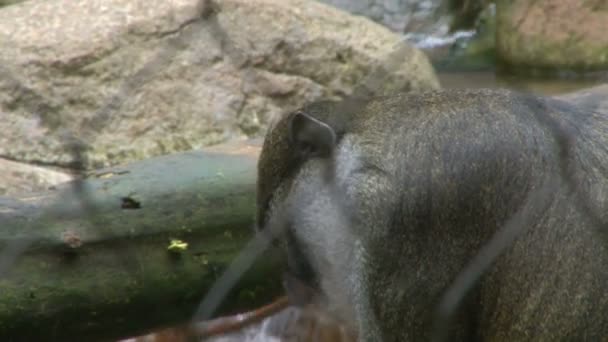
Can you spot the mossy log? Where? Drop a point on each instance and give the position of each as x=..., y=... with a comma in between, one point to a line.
x=94, y=260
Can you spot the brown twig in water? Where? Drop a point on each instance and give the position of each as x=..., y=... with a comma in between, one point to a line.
x=227, y=324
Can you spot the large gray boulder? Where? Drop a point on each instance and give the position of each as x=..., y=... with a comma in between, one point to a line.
x=134, y=78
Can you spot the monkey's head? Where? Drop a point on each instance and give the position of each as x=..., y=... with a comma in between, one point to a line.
x=295, y=202
x=297, y=137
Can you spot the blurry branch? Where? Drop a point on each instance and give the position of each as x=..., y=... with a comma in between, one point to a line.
x=536, y=204
x=370, y=85
x=230, y=324
x=373, y=84
x=565, y=138
x=182, y=217
x=38, y=106
x=71, y=281
x=73, y=250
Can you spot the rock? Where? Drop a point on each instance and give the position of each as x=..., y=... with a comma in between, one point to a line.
x=594, y=98
x=19, y=178
x=130, y=79
x=552, y=36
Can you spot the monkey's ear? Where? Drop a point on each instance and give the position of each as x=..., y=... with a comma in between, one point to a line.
x=311, y=137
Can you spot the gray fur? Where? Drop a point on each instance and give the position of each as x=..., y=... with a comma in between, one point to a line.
x=420, y=183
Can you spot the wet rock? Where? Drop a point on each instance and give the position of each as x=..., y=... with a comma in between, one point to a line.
x=594, y=98
x=20, y=178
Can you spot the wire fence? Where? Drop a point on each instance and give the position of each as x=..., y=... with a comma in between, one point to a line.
x=565, y=142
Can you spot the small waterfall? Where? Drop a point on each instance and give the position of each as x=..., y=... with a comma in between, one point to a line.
x=424, y=23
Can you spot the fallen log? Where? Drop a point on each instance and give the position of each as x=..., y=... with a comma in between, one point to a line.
x=130, y=248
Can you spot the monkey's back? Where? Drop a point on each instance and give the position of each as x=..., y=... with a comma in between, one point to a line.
x=429, y=180
x=467, y=163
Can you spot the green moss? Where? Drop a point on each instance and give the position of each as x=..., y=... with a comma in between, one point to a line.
x=113, y=298
x=177, y=246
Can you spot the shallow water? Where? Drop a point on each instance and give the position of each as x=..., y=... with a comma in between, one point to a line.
x=488, y=79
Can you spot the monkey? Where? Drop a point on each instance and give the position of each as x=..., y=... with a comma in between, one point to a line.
x=489, y=205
